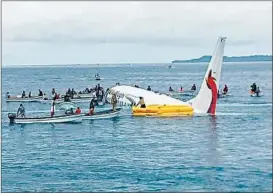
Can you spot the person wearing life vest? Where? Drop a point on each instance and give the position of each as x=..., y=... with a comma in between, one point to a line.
x=78, y=110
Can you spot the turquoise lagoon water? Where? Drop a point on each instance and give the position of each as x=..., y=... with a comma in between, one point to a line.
x=229, y=152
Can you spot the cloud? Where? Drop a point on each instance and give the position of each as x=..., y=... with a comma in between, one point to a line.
x=153, y=24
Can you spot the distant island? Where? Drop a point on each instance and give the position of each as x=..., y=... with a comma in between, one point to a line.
x=253, y=58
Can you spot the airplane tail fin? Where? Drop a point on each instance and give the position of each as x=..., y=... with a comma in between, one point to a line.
x=206, y=99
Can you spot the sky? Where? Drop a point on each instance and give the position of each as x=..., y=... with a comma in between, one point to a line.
x=71, y=32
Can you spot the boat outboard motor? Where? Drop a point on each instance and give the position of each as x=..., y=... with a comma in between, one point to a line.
x=12, y=117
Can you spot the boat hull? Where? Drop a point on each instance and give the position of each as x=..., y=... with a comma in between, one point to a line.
x=102, y=115
x=54, y=119
x=27, y=99
x=82, y=100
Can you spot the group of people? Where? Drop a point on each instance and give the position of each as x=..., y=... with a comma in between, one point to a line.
x=193, y=88
x=68, y=111
x=93, y=101
x=23, y=95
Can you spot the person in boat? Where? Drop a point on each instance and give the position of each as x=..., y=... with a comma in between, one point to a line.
x=100, y=95
x=69, y=92
x=193, y=87
x=45, y=98
x=170, y=89
x=29, y=95
x=92, y=106
x=53, y=92
x=99, y=87
x=7, y=95
x=257, y=91
x=73, y=91
x=225, y=90
x=66, y=97
x=181, y=89
x=56, y=96
x=114, y=101
x=40, y=93
x=78, y=110
x=253, y=87
x=21, y=111
x=94, y=95
x=69, y=111
x=23, y=94
x=52, y=110
x=141, y=102
x=86, y=90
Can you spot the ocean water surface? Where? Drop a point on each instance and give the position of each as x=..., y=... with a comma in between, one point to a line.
x=229, y=152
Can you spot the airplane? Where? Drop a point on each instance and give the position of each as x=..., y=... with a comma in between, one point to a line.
x=203, y=103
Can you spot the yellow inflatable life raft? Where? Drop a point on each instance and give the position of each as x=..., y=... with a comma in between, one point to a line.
x=163, y=110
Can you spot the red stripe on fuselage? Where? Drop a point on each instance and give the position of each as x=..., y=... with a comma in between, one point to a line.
x=212, y=86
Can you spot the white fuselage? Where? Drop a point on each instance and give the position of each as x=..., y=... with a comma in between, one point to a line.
x=128, y=95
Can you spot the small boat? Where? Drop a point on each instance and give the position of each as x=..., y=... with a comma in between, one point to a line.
x=256, y=94
x=97, y=76
x=66, y=105
x=100, y=103
x=85, y=95
x=25, y=99
x=222, y=95
x=55, y=119
x=184, y=93
x=74, y=100
x=103, y=114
